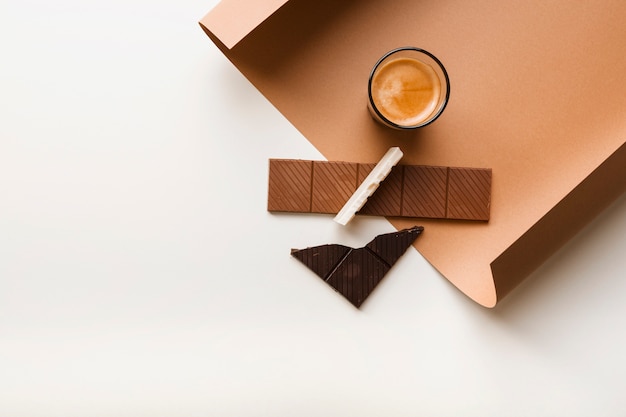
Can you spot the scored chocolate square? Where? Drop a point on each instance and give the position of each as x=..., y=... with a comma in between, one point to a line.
x=424, y=191
x=289, y=187
x=333, y=184
x=469, y=193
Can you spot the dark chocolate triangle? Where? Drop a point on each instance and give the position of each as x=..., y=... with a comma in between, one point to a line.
x=354, y=273
x=391, y=246
x=321, y=259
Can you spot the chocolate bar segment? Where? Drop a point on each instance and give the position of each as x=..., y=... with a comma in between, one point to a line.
x=368, y=185
x=469, y=194
x=289, y=187
x=354, y=273
x=408, y=191
x=387, y=200
x=424, y=191
x=333, y=184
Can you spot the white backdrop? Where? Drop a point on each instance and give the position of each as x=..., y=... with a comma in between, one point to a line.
x=140, y=274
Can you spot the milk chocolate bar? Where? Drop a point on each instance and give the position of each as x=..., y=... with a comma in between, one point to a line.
x=354, y=273
x=408, y=191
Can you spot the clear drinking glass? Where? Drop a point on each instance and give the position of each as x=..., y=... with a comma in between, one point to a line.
x=408, y=88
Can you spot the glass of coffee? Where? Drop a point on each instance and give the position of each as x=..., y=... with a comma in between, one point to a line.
x=408, y=88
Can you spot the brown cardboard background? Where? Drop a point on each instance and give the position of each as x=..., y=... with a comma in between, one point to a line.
x=536, y=94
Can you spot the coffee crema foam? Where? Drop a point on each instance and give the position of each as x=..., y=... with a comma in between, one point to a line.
x=406, y=91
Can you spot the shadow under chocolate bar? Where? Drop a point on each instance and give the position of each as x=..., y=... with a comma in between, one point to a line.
x=305, y=186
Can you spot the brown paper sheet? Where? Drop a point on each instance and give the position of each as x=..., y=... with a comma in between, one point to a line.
x=537, y=94
x=233, y=20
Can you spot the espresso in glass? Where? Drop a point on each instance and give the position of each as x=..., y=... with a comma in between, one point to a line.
x=408, y=88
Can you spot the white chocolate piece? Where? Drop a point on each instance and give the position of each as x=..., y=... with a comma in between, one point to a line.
x=369, y=185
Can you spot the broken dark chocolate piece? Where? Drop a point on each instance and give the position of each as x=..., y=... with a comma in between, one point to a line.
x=354, y=273
x=408, y=191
